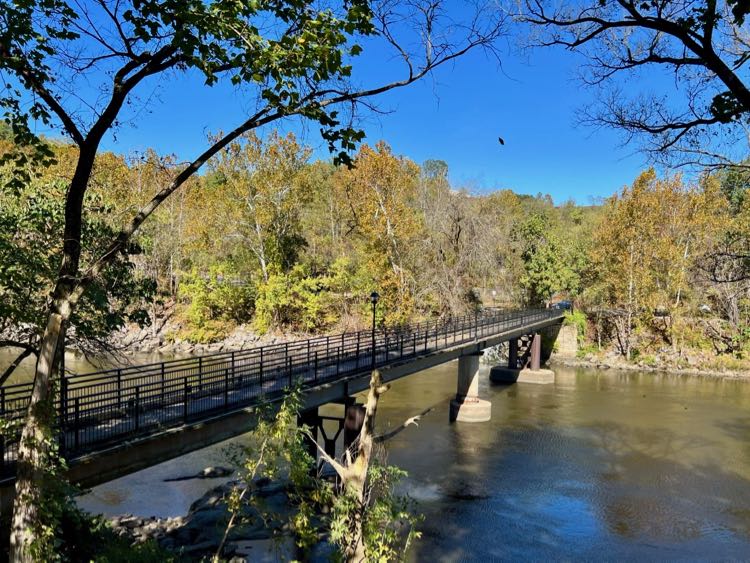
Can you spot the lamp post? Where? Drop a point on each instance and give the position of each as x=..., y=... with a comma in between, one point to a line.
x=374, y=297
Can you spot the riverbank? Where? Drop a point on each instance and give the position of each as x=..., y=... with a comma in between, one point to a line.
x=610, y=361
x=197, y=535
x=165, y=340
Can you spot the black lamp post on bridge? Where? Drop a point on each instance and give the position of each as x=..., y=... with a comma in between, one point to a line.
x=374, y=297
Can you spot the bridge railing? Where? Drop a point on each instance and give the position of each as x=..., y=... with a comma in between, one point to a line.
x=98, y=409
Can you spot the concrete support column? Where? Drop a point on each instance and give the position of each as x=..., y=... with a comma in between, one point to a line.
x=353, y=418
x=310, y=419
x=535, y=361
x=530, y=372
x=467, y=406
x=513, y=354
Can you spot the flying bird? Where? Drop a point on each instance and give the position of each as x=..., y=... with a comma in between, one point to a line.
x=501, y=140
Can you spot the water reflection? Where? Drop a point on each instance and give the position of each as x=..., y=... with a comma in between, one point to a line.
x=599, y=464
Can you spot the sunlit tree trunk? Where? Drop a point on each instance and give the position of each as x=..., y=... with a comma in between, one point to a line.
x=35, y=452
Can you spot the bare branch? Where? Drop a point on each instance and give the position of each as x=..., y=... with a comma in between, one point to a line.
x=28, y=350
x=414, y=420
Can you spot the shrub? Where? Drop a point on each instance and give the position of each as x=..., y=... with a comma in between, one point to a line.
x=216, y=302
x=296, y=300
x=577, y=319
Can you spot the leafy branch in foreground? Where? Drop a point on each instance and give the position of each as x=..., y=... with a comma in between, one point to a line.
x=358, y=512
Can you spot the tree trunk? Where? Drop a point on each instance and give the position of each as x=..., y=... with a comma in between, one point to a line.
x=36, y=464
x=36, y=450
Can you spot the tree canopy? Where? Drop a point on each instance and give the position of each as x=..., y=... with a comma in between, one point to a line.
x=701, y=47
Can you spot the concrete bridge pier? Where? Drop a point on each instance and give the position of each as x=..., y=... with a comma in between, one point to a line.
x=467, y=406
x=354, y=417
x=527, y=370
x=310, y=419
x=350, y=425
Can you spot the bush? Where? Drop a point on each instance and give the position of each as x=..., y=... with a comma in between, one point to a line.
x=649, y=360
x=215, y=303
x=577, y=319
x=296, y=300
x=586, y=349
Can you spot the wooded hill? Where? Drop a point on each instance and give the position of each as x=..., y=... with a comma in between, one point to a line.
x=270, y=237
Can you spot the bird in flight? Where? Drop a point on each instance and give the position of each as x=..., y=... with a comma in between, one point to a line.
x=501, y=140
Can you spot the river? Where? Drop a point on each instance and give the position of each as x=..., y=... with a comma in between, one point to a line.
x=600, y=464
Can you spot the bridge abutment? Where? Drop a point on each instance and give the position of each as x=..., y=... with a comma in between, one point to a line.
x=467, y=406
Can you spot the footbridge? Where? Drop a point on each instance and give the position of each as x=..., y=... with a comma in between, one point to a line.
x=117, y=421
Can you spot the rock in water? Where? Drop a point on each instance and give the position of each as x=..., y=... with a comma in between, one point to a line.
x=207, y=473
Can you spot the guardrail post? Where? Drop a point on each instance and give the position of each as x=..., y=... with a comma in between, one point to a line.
x=315, y=367
x=119, y=389
x=77, y=423
x=233, y=363
x=226, y=388
x=162, y=383
x=260, y=377
x=137, y=408
x=63, y=402
x=359, y=337
x=385, y=360
x=414, y=343
x=200, y=373
x=186, y=397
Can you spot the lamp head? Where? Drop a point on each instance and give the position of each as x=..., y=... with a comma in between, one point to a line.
x=374, y=297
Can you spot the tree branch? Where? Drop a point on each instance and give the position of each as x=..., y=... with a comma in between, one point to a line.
x=414, y=420
x=28, y=350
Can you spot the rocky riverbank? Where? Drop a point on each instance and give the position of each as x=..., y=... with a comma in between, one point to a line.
x=197, y=535
x=615, y=361
x=132, y=340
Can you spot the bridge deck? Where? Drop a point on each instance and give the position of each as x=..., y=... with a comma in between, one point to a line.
x=99, y=410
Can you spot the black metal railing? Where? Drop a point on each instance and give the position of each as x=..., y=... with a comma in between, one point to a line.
x=96, y=410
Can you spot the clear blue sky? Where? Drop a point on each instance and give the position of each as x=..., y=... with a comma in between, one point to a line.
x=456, y=116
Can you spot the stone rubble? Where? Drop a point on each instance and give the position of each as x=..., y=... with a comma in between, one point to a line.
x=199, y=533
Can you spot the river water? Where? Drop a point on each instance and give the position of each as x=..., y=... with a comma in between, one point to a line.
x=600, y=464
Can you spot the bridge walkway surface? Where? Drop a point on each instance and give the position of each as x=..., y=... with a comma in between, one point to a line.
x=101, y=411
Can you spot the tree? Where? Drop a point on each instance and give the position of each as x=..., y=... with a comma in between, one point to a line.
x=293, y=60
x=456, y=251
x=30, y=223
x=549, y=266
x=703, y=44
x=648, y=239
x=725, y=266
x=261, y=192
x=381, y=191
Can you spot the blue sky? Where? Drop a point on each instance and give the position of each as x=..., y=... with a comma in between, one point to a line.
x=456, y=116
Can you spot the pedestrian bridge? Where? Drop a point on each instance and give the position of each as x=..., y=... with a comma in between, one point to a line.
x=117, y=421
